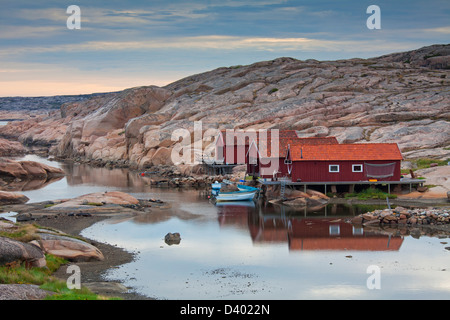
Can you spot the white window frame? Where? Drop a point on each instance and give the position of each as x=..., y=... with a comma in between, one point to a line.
x=357, y=231
x=334, y=230
x=333, y=165
x=353, y=167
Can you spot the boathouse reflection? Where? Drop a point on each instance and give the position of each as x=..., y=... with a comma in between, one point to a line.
x=307, y=231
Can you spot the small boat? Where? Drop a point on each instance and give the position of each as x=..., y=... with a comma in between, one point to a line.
x=243, y=187
x=235, y=196
x=216, y=185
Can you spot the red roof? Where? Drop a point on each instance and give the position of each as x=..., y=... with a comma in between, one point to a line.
x=245, y=137
x=349, y=152
x=265, y=147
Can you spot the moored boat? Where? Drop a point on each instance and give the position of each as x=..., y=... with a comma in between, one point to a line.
x=243, y=187
x=235, y=196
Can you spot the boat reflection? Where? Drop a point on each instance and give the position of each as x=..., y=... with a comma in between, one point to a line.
x=304, y=232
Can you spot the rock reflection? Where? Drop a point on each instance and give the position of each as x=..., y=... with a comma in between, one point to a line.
x=29, y=184
x=83, y=174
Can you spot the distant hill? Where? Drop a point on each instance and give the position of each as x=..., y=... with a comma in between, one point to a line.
x=41, y=103
x=401, y=97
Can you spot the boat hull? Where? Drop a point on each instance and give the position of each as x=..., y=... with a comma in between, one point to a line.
x=243, y=187
x=236, y=196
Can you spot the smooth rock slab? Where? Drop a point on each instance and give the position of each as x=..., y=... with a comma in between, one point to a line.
x=13, y=250
x=69, y=248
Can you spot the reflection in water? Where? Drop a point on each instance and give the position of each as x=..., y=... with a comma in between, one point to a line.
x=303, y=232
x=82, y=179
x=252, y=251
x=245, y=251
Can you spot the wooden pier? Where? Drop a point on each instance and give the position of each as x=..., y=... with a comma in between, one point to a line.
x=350, y=184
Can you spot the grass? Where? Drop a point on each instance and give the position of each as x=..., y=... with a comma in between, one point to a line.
x=24, y=233
x=97, y=204
x=20, y=273
x=424, y=163
x=368, y=194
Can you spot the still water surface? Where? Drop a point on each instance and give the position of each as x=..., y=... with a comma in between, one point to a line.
x=247, y=251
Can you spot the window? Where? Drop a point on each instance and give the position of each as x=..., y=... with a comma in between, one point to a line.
x=333, y=168
x=357, y=168
x=357, y=231
x=334, y=230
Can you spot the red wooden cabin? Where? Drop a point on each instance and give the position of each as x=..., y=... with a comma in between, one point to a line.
x=270, y=165
x=232, y=145
x=346, y=162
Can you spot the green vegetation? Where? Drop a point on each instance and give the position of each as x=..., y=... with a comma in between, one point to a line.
x=423, y=163
x=19, y=273
x=24, y=233
x=97, y=204
x=273, y=90
x=370, y=193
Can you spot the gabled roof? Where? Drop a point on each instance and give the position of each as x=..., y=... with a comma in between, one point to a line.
x=245, y=137
x=347, y=152
x=265, y=146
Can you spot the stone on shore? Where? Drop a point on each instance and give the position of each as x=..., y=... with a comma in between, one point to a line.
x=10, y=148
x=69, y=248
x=17, y=251
x=172, y=238
x=403, y=216
x=12, y=198
x=27, y=170
x=98, y=199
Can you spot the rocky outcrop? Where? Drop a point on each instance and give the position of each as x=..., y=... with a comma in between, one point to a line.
x=10, y=148
x=17, y=251
x=172, y=238
x=433, y=57
x=12, y=198
x=400, y=98
x=44, y=241
x=403, y=216
x=69, y=248
x=27, y=170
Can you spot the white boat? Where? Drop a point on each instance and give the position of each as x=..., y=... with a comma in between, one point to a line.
x=243, y=187
x=235, y=196
x=216, y=185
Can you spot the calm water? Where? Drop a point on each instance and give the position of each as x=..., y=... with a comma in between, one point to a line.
x=248, y=251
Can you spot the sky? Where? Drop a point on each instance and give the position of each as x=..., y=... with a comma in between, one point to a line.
x=123, y=44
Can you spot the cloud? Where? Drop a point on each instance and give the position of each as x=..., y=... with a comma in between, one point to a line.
x=21, y=32
x=443, y=30
x=217, y=42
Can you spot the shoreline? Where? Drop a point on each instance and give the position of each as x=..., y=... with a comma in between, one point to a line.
x=93, y=271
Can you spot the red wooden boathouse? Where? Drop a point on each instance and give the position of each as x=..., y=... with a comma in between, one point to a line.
x=341, y=162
